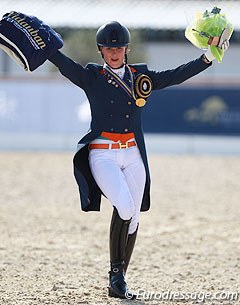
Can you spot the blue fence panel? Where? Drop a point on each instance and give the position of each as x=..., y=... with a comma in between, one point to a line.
x=193, y=111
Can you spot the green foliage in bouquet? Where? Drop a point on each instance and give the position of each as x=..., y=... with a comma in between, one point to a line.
x=206, y=25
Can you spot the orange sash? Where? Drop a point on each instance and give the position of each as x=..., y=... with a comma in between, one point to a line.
x=122, y=137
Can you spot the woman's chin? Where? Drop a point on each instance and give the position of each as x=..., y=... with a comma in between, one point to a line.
x=115, y=65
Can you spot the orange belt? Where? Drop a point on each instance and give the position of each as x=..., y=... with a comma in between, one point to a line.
x=112, y=146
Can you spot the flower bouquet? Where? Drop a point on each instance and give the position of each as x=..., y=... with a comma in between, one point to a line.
x=210, y=28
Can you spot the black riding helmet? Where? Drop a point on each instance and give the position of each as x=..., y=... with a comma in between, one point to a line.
x=113, y=35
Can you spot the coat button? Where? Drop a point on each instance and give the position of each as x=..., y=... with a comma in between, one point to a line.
x=127, y=116
x=111, y=115
x=126, y=130
x=112, y=129
x=111, y=101
x=129, y=103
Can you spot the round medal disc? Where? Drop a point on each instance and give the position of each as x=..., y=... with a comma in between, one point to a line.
x=140, y=102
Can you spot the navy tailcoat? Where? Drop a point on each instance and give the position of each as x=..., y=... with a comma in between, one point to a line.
x=113, y=110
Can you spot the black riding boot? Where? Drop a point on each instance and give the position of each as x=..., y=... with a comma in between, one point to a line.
x=129, y=248
x=118, y=240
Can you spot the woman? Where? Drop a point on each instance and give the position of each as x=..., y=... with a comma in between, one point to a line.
x=111, y=159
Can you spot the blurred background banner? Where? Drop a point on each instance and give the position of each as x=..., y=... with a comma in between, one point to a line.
x=44, y=110
x=214, y=111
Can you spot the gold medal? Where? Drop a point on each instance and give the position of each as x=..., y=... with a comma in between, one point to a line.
x=143, y=87
x=140, y=102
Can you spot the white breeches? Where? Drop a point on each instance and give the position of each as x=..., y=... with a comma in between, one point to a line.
x=120, y=174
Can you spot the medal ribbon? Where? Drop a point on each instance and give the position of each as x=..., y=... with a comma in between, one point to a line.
x=121, y=83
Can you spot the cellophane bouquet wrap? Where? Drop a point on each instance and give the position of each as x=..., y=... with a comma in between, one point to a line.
x=206, y=25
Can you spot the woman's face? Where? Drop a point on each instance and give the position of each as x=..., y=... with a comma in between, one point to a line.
x=114, y=57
